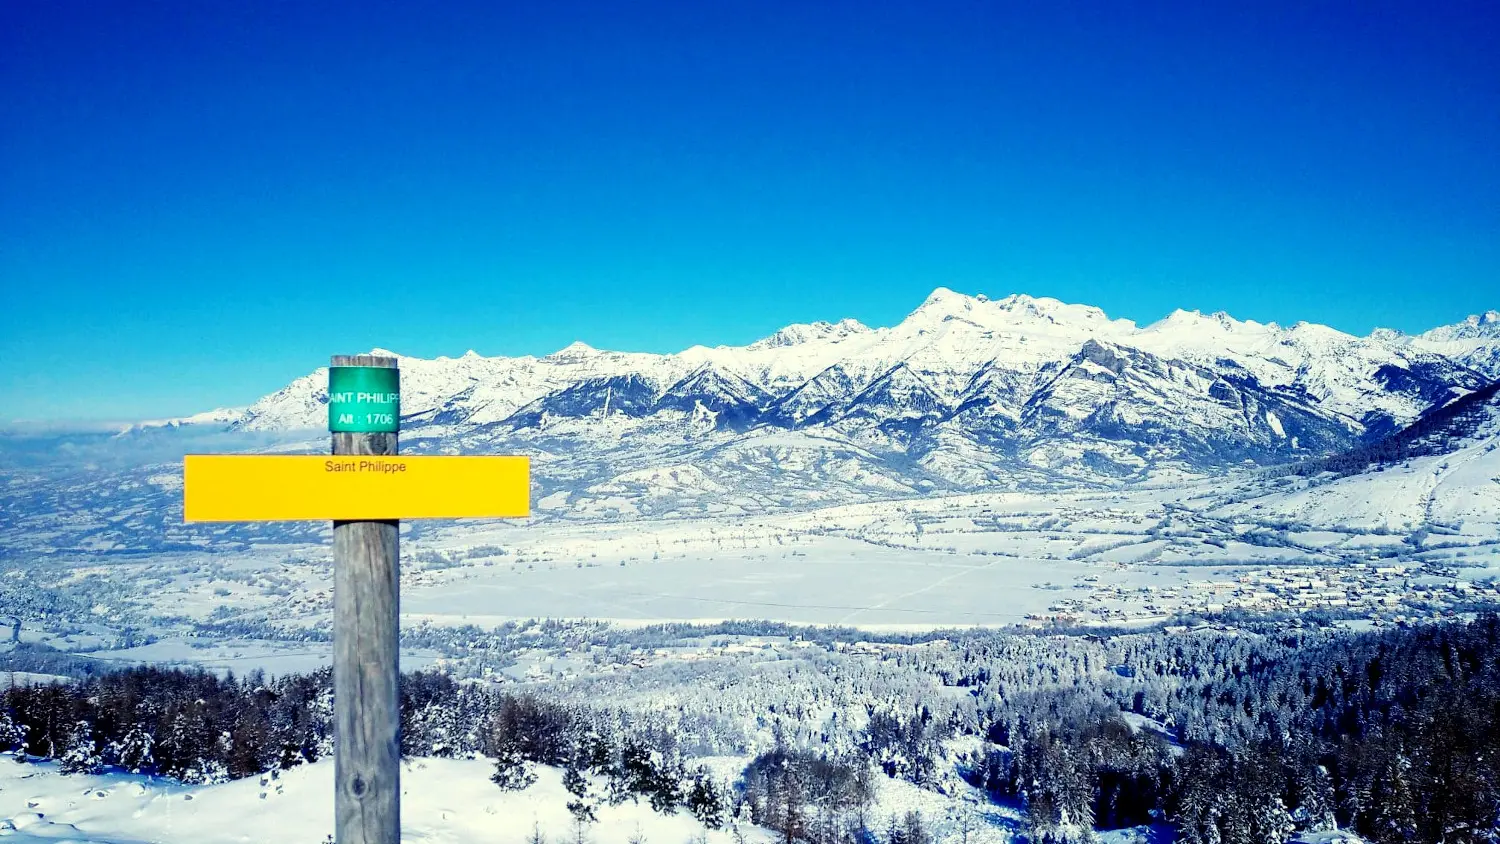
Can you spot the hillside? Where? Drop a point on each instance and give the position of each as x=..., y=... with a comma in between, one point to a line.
x=443, y=800
x=1440, y=474
x=1466, y=421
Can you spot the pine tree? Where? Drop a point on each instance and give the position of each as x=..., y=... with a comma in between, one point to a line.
x=915, y=829
x=583, y=811
x=787, y=801
x=1395, y=803
x=743, y=820
x=82, y=753
x=596, y=750
x=617, y=785
x=663, y=785
x=133, y=751
x=962, y=819
x=250, y=750
x=1199, y=801
x=578, y=786
x=1316, y=801
x=1273, y=823
x=1059, y=792
x=704, y=800
x=207, y=772
x=575, y=783
x=512, y=772
x=12, y=735
x=188, y=739
x=635, y=773
x=895, y=833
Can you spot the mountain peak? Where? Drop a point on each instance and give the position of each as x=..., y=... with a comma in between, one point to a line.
x=943, y=303
x=942, y=297
x=799, y=333
x=1197, y=317
x=575, y=349
x=1485, y=326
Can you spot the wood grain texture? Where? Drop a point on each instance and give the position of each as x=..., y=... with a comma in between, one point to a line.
x=366, y=660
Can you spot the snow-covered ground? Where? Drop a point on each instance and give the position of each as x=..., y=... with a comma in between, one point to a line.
x=1459, y=491
x=982, y=463
x=443, y=800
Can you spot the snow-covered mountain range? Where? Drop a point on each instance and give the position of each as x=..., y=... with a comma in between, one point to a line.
x=964, y=392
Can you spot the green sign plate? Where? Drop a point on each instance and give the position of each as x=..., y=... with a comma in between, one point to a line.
x=364, y=399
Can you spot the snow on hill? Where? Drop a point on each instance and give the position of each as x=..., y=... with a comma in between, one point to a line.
x=443, y=800
x=1443, y=471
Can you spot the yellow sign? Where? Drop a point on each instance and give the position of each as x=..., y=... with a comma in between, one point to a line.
x=263, y=488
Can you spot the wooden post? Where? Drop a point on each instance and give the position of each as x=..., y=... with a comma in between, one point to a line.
x=366, y=667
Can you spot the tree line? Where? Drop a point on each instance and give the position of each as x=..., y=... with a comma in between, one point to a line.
x=1392, y=734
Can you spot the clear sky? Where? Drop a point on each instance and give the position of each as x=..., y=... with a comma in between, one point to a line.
x=202, y=200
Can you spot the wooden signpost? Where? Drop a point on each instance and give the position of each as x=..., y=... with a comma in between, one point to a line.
x=364, y=488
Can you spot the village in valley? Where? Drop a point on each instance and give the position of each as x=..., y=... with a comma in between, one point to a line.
x=1380, y=593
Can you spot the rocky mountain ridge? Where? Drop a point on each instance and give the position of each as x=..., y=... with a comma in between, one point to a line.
x=965, y=391
x=965, y=395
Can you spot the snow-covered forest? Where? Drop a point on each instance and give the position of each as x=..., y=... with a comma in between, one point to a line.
x=1233, y=736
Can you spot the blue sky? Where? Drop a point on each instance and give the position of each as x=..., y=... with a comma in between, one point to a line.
x=200, y=201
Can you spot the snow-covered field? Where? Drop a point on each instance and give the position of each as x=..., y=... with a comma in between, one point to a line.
x=837, y=582
x=1132, y=555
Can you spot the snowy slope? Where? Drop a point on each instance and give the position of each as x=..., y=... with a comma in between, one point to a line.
x=1460, y=490
x=1442, y=472
x=443, y=800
